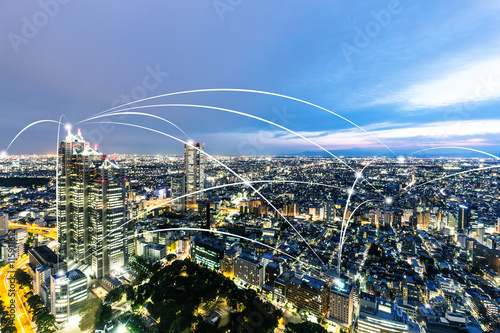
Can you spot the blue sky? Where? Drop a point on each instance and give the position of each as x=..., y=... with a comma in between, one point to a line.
x=414, y=74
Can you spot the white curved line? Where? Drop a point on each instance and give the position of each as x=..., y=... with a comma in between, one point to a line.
x=341, y=244
x=141, y=114
x=32, y=124
x=229, y=111
x=256, y=92
x=227, y=168
x=204, y=230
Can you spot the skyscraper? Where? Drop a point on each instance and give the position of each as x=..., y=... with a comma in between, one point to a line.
x=194, y=171
x=463, y=216
x=178, y=189
x=107, y=214
x=91, y=194
x=330, y=211
x=341, y=307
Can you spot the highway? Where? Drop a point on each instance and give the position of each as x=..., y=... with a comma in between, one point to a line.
x=48, y=232
x=23, y=322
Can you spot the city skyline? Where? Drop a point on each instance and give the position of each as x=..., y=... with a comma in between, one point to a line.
x=244, y=166
x=414, y=75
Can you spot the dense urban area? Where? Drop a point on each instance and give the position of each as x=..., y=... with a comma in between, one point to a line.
x=131, y=243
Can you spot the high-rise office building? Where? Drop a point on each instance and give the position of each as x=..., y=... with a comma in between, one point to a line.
x=249, y=269
x=341, y=309
x=205, y=214
x=308, y=293
x=330, y=212
x=207, y=252
x=194, y=171
x=68, y=294
x=177, y=184
x=91, y=209
x=75, y=157
x=20, y=237
x=107, y=218
x=463, y=216
x=227, y=265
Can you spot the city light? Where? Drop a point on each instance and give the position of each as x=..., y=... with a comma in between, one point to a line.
x=339, y=283
x=295, y=217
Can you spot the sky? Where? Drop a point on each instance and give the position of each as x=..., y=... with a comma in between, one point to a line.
x=370, y=77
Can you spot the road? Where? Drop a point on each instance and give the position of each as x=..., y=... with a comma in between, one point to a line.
x=23, y=322
x=48, y=232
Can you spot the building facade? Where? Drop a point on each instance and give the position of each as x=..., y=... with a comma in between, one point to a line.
x=68, y=294
x=177, y=184
x=249, y=269
x=194, y=172
x=91, y=207
x=207, y=252
x=341, y=308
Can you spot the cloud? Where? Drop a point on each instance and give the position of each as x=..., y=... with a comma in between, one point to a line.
x=448, y=133
x=477, y=82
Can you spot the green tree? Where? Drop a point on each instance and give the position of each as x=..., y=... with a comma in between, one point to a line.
x=34, y=301
x=23, y=278
x=129, y=291
x=94, y=314
x=136, y=324
x=44, y=320
x=7, y=322
x=142, y=267
x=115, y=295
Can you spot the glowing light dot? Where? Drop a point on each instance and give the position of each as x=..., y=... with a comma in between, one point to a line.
x=190, y=142
x=359, y=174
x=246, y=183
x=401, y=159
x=350, y=191
x=3, y=154
x=388, y=200
x=67, y=127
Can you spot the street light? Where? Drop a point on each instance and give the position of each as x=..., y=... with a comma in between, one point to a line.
x=122, y=329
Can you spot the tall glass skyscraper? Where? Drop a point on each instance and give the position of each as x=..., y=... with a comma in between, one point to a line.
x=195, y=172
x=463, y=216
x=91, y=207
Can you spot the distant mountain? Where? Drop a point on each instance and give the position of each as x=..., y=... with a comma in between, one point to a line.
x=359, y=152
